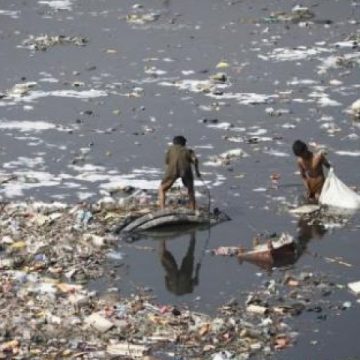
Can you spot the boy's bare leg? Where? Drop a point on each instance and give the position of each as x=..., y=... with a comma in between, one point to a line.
x=162, y=248
x=192, y=201
x=164, y=187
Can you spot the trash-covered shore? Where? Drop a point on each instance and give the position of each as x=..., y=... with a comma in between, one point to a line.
x=91, y=93
x=49, y=253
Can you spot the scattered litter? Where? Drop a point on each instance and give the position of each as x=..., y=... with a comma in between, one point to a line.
x=355, y=108
x=226, y=157
x=274, y=252
x=126, y=349
x=98, y=322
x=222, y=65
x=115, y=255
x=337, y=261
x=226, y=251
x=223, y=355
x=83, y=218
x=142, y=18
x=297, y=14
x=294, y=54
x=282, y=342
x=355, y=287
x=257, y=309
x=346, y=305
x=45, y=257
x=19, y=90
x=305, y=209
x=44, y=42
x=58, y=4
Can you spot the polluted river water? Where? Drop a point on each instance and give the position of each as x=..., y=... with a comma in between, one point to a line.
x=93, y=91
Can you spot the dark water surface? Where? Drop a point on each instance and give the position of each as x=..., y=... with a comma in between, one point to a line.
x=101, y=115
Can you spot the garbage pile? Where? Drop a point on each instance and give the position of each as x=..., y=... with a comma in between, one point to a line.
x=50, y=252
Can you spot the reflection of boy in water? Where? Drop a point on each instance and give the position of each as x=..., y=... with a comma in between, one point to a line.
x=306, y=231
x=179, y=160
x=311, y=169
x=180, y=281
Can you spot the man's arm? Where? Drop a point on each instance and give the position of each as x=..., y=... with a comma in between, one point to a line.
x=167, y=157
x=303, y=174
x=195, y=161
x=302, y=170
x=325, y=161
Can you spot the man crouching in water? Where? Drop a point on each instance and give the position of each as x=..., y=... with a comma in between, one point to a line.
x=311, y=169
x=179, y=160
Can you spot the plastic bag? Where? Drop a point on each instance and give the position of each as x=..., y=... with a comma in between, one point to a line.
x=336, y=193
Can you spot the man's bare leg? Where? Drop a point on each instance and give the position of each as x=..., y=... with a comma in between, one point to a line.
x=192, y=201
x=164, y=187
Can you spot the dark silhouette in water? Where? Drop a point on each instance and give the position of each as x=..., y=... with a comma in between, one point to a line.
x=180, y=281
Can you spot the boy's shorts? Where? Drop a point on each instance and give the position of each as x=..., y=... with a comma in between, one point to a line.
x=187, y=180
x=315, y=186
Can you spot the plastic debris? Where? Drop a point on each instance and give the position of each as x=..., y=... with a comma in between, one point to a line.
x=98, y=322
x=19, y=90
x=271, y=248
x=44, y=42
x=223, y=355
x=142, y=18
x=226, y=250
x=44, y=257
x=297, y=14
x=257, y=309
x=355, y=287
x=226, y=157
x=83, y=218
x=222, y=65
x=126, y=349
x=282, y=342
x=355, y=109
x=305, y=209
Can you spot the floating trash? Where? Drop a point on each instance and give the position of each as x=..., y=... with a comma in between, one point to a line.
x=44, y=42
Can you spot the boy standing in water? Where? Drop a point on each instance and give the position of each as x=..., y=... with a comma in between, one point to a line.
x=311, y=168
x=179, y=160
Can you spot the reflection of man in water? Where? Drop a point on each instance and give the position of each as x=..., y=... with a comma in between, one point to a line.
x=180, y=281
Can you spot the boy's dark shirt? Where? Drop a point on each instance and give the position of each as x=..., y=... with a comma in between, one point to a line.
x=178, y=160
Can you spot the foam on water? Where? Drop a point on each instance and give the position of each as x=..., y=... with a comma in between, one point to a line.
x=295, y=54
x=348, y=153
x=12, y=14
x=26, y=125
x=32, y=96
x=277, y=153
x=247, y=98
x=58, y=4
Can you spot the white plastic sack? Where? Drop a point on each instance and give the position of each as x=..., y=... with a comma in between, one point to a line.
x=336, y=193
